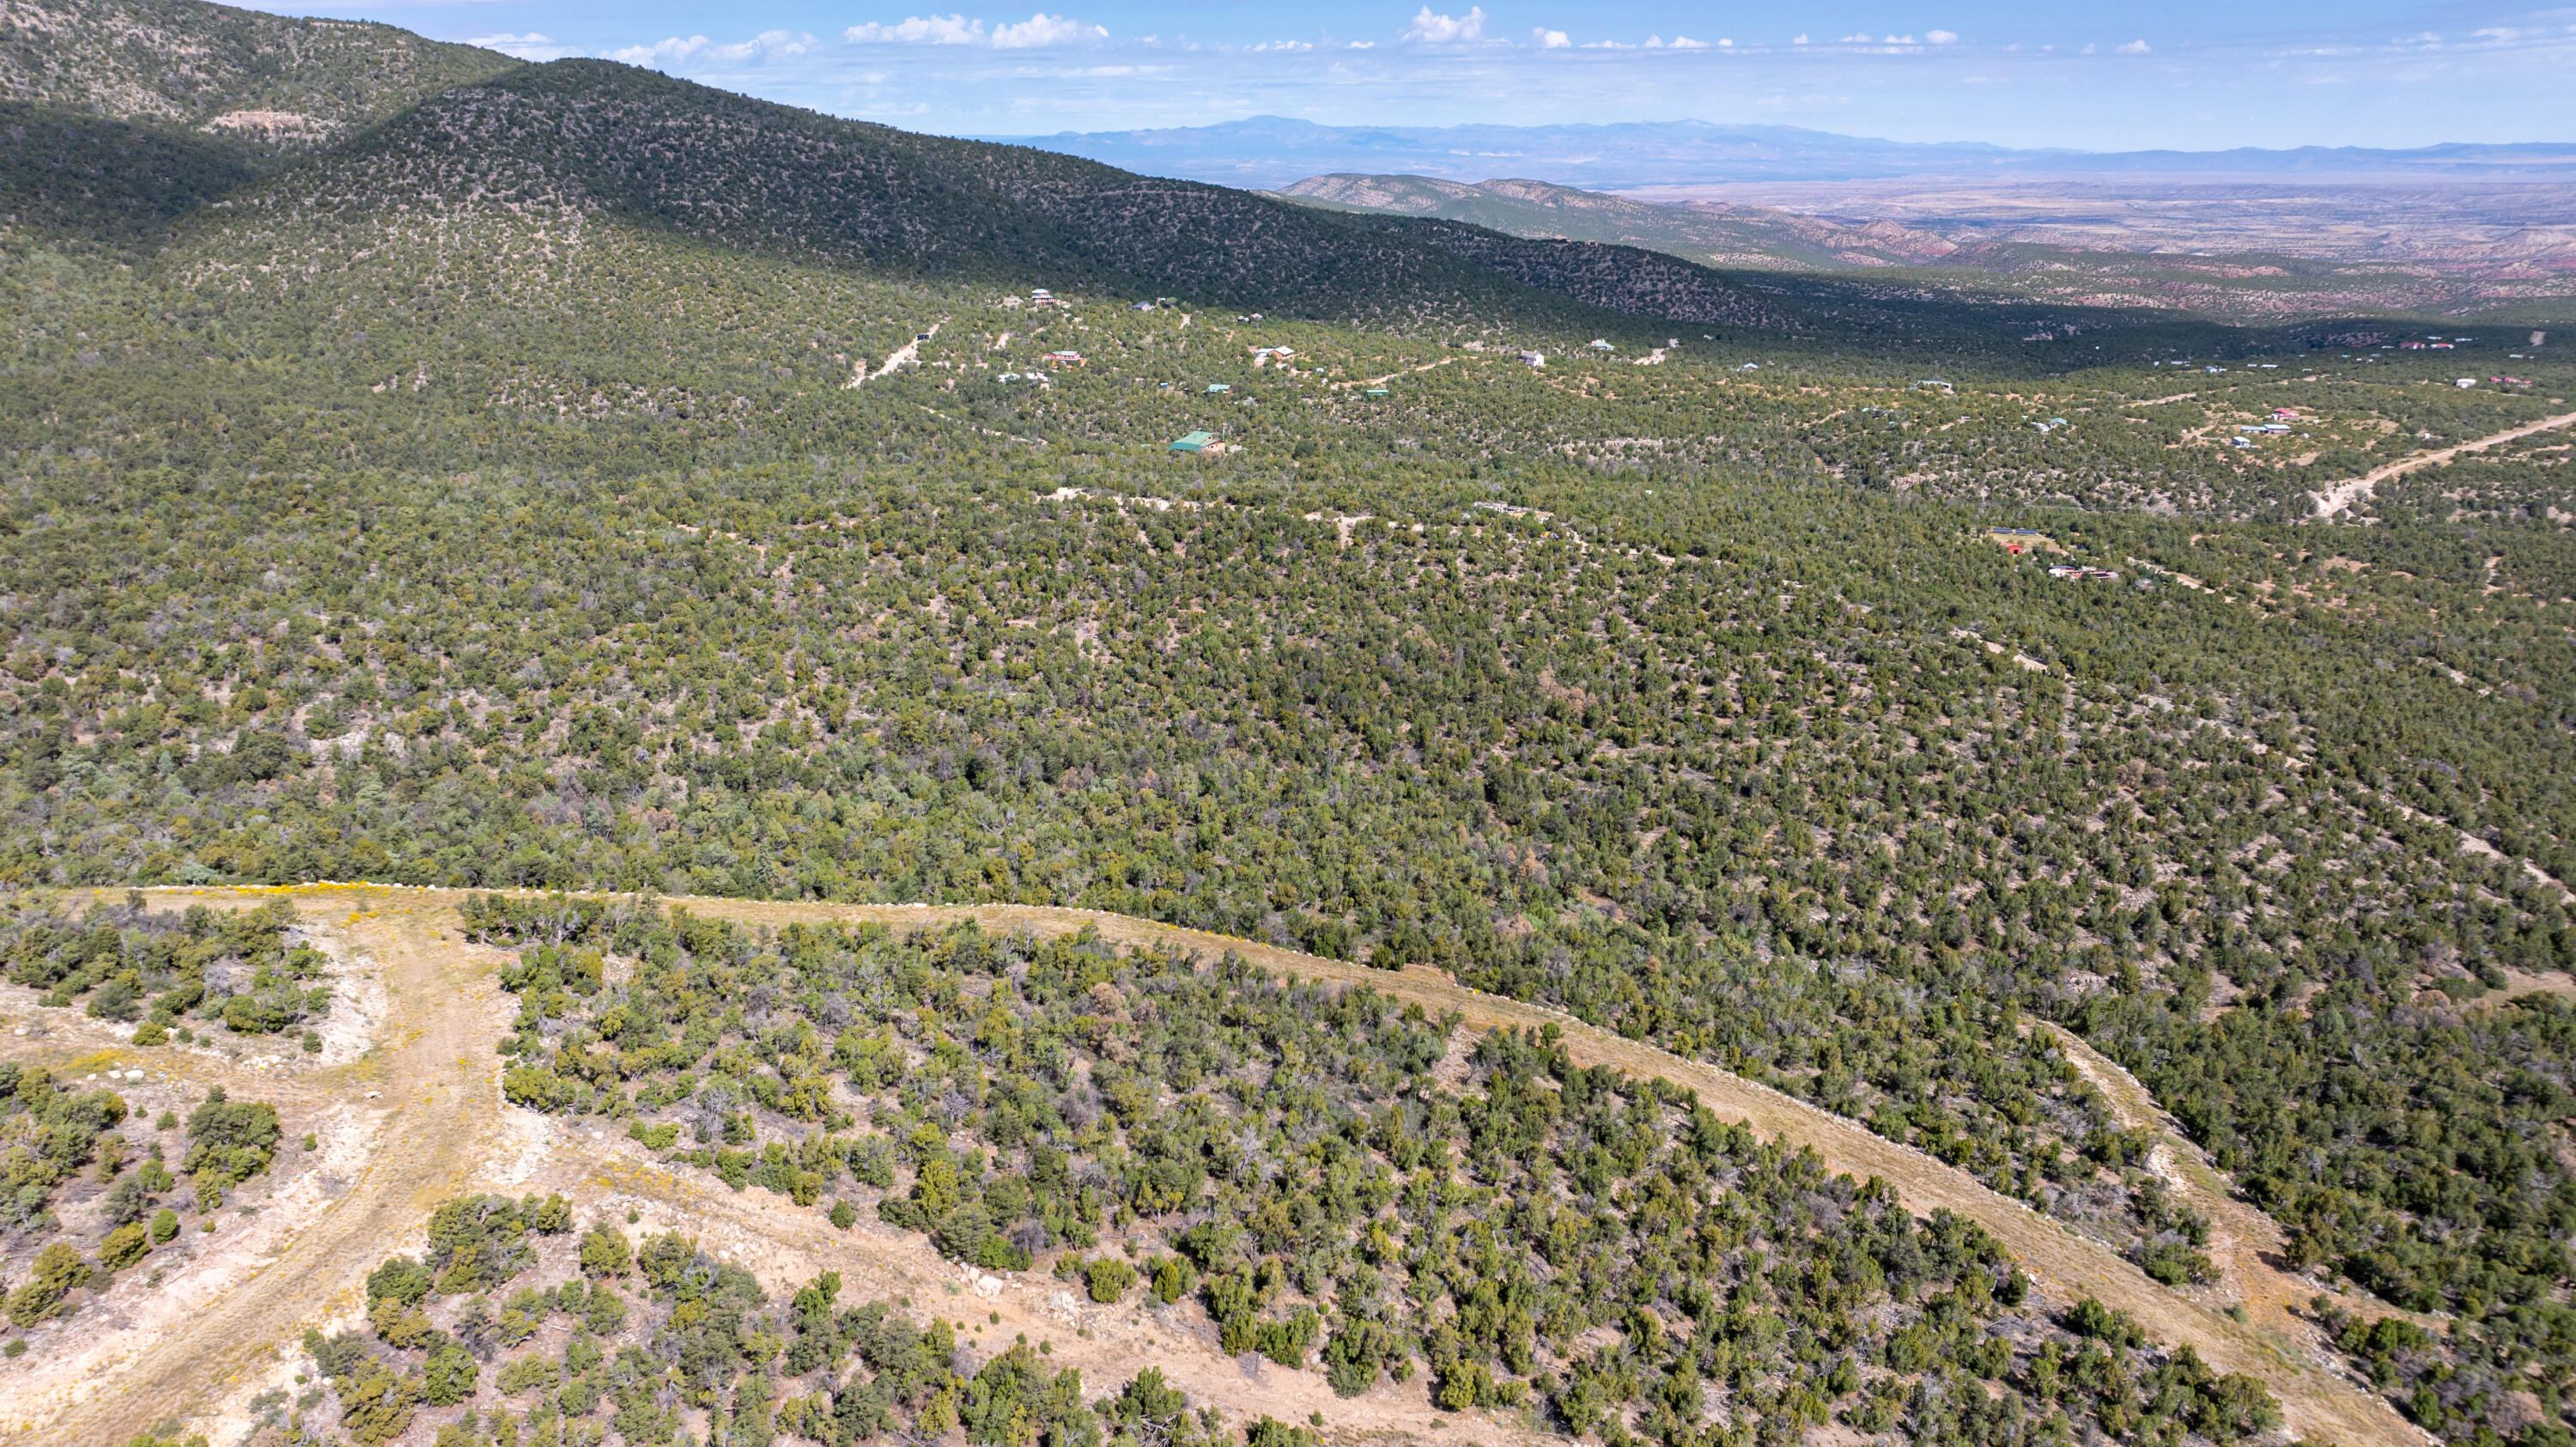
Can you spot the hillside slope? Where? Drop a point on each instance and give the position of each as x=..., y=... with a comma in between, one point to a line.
x=87, y=177
x=269, y=80
x=580, y=140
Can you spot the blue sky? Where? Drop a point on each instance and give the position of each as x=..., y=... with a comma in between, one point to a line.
x=2197, y=74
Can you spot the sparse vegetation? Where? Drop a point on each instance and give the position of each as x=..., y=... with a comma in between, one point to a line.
x=696, y=1336
x=58, y=1141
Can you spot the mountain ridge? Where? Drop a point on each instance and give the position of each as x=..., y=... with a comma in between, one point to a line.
x=265, y=81
x=584, y=138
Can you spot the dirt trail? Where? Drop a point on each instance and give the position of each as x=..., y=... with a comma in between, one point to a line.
x=437, y=1115
x=1391, y=376
x=908, y=351
x=448, y=1132
x=2476, y=845
x=2344, y=494
x=2318, y=1402
x=2244, y=1242
x=784, y=1246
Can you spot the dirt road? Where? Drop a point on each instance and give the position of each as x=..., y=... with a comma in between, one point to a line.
x=447, y=1131
x=2244, y=1243
x=437, y=1116
x=909, y=351
x=2344, y=494
x=2318, y=1402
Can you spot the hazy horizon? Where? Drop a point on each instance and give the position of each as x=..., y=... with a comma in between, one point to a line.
x=2193, y=75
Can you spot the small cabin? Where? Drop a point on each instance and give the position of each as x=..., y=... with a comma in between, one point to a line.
x=1192, y=441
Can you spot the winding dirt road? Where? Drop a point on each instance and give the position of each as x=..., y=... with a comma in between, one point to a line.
x=2344, y=494
x=444, y=1130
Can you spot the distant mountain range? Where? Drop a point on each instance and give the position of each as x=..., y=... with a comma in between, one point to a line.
x=1271, y=151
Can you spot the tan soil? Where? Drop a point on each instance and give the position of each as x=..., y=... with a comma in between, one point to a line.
x=392, y=1159
x=442, y=1129
x=2344, y=494
x=2244, y=1242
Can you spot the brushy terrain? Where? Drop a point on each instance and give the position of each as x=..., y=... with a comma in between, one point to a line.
x=563, y=476
x=1337, y=1184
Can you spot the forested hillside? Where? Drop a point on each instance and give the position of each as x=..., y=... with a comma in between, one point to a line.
x=582, y=140
x=261, y=81
x=582, y=479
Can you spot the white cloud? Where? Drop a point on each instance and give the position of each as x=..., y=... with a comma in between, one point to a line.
x=2134, y=47
x=1801, y=40
x=662, y=53
x=676, y=52
x=1045, y=29
x=918, y=30
x=1547, y=39
x=1038, y=30
x=1860, y=39
x=530, y=46
x=1898, y=40
x=1654, y=42
x=1942, y=37
x=2087, y=50
x=1446, y=29
x=1684, y=42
